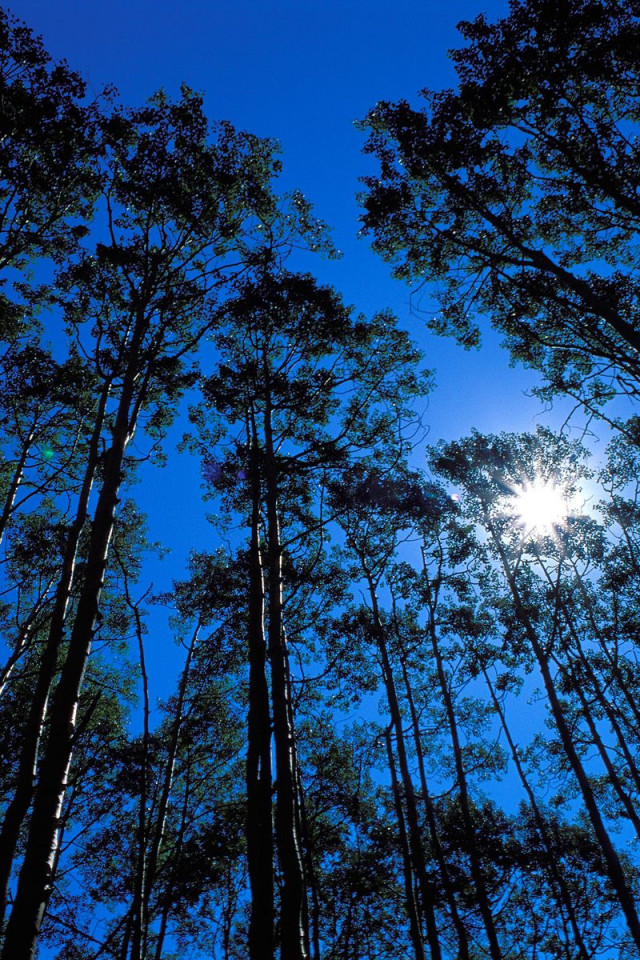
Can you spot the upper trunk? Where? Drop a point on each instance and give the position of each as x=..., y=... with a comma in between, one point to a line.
x=294, y=913
x=258, y=769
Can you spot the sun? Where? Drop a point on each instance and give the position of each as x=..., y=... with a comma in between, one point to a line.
x=541, y=507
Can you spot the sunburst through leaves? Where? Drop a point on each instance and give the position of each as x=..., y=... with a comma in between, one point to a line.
x=541, y=506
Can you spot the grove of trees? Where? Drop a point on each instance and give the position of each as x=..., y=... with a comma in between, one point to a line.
x=406, y=721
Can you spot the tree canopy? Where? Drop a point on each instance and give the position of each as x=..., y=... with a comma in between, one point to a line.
x=517, y=192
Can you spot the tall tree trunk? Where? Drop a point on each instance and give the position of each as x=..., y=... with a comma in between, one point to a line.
x=559, y=886
x=611, y=859
x=427, y=893
x=139, y=904
x=126, y=938
x=258, y=770
x=157, y=835
x=407, y=866
x=604, y=701
x=475, y=862
x=463, y=940
x=311, y=875
x=36, y=875
x=294, y=922
x=27, y=764
x=176, y=858
x=612, y=774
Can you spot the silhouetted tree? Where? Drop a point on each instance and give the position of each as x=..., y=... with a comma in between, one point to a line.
x=517, y=192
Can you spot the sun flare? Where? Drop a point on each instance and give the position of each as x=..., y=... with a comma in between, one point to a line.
x=541, y=506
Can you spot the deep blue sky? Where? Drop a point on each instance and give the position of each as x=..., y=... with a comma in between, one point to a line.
x=300, y=71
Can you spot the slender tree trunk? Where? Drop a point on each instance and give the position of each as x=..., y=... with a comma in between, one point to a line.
x=258, y=768
x=603, y=701
x=561, y=890
x=611, y=859
x=27, y=765
x=36, y=875
x=139, y=904
x=616, y=673
x=477, y=873
x=16, y=480
x=228, y=911
x=612, y=773
x=27, y=631
x=294, y=922
x=407, y=866
x=162, y=932
x=155, y=838
x=427, y=893
x=463, y=940
x=176, y=858
x=311, y=875
x=126, y=939
x=612, y=716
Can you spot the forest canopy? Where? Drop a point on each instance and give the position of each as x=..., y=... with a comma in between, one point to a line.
x=405, y=720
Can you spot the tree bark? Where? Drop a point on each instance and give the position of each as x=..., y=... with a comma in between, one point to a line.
x=607, y=707
x=36, y=875
x=477, y=873
x=158, y=835
x=311, y=875
x=612, y=659
x=177, y=855
x=427, y=893
x=294, y=924
x=407, y=866
x=27, y=766
x=463, y=940
x=258, y=768
x=139, y=903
